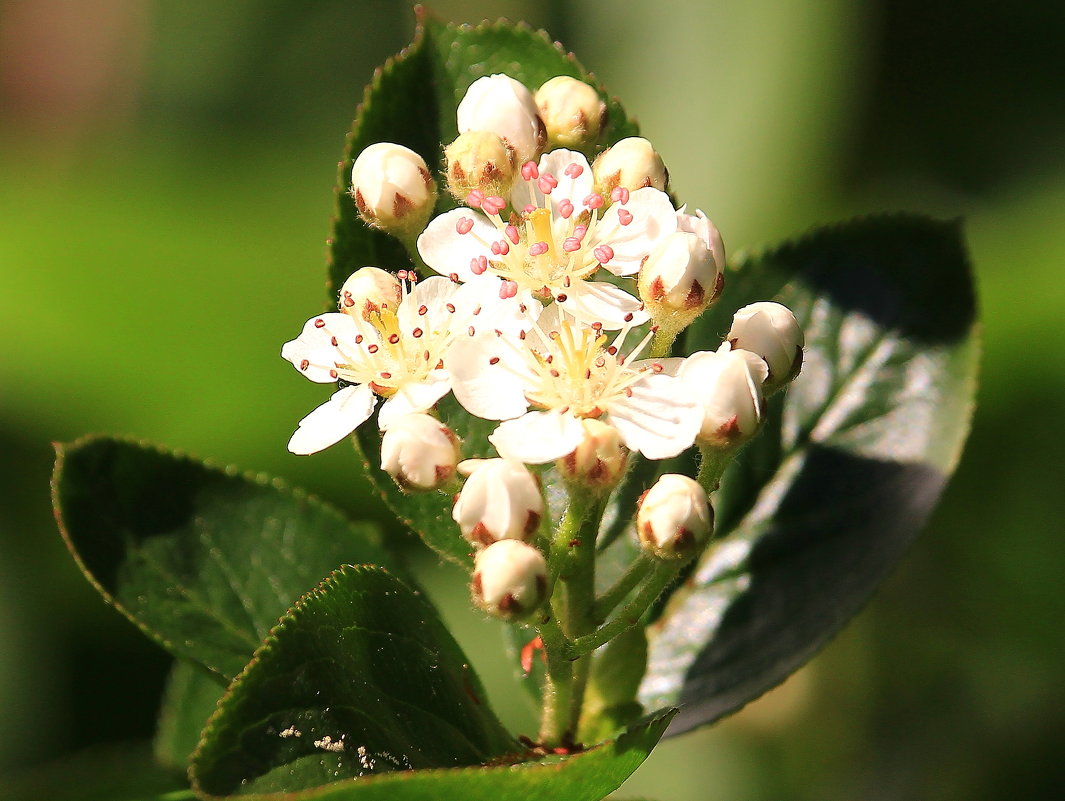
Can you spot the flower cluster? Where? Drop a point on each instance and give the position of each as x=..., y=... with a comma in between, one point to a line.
x=560, y=286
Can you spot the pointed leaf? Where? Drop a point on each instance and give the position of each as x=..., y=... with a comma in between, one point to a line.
x=824, y=501
x=203, y=560
x=360, y=678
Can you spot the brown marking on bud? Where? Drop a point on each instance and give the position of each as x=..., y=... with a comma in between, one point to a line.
x=443, y=472
x=695, y=296
x=401, y=206
x=684, y=541
x=729, y=430
x=541, y=586
x=426, y=176
x=719, y=286
x=476, y=588
x=532, y=522
x=598, y=474
x=481, y=535
x=509, y=605
x=796, y=364
x=360, y=204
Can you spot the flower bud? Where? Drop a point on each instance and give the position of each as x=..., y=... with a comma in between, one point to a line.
x=699, y=225
x=509, y=579
x=679, y=280
x=599, y=461
x=632, y=163
x=572, y=111
x=674, y=520
x=419, y=452
x=771, y=331
x=369, y=290
x=392, y=188
x=729, y=384
x=505, y=107
x=500, y=500
x=479, y=160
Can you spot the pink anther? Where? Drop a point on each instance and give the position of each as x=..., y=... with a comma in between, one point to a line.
x=580, y=231
x=475, y=199
x=508, y=289
x=512, y=233
x=529, y=209
x=594, y=201
x=619, y=195
x=624, y=216
x=493, y=204
x=574, y=170
x=529, y=171
x=565, y=208
x=479, y=265
x=538, y=248
x=546, y=183
x=603, y=253
x=571, y=244
x=464, y=225
x=504, y=247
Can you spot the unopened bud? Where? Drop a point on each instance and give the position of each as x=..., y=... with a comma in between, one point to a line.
x=679, y=280
x=419, y=452
x=367, y=291
x=599, y=461
x=674, y=519
x=701, y=226
x=771, y=331
x=572, y=111
x=632, y=163
x=392, y=188
x=729, y=384
x=500, y=500
x=479, y=160
x=509, y=579
x=503, y=106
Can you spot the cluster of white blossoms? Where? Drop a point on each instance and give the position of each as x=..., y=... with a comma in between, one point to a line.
x=560, y=287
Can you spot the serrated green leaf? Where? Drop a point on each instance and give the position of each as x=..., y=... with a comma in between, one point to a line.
x=361, y=678
x=190, y=697
x=823, y=502
x=203, y=560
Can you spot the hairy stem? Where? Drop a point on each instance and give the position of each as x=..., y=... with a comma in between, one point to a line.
x=625, y=584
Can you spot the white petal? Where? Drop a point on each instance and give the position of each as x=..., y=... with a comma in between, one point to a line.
x=575, y=190
x=432, y=294
x=657, y=420
x=345, y=411
x=538, y=437
x=414, y=397
x=600, y=302
x=653, y=217
x=492, y=391
x=667, y=366
x=313, y=352
x=447, y=251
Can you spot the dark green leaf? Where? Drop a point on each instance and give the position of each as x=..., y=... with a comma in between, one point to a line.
x=191, y=696
x=203, y=560
x=360, y=678
x=109, y=773
x=824, y=501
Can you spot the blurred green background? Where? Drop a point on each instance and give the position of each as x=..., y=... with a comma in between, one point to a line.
x=166, y=176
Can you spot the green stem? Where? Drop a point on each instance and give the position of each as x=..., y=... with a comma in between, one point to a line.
x=662, y=342
x=630, y=614
x=558, y=685
x=712, y=464
x=572, y=560
x=625, y=584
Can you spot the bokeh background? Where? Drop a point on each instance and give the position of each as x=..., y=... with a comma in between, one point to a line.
x=166, y=177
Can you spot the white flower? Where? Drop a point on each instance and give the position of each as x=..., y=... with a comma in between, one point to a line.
x=367, y=291
x=572, y=111
x=572, y=372
x=509, y=579
x=770, y=330
x=503, y=106
x=564, y=234
x=395, y=353
x=392, y=188
x=674, y=519
x=631, y=163
x=500, y=500
x=419, y=452
x=728, y=383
